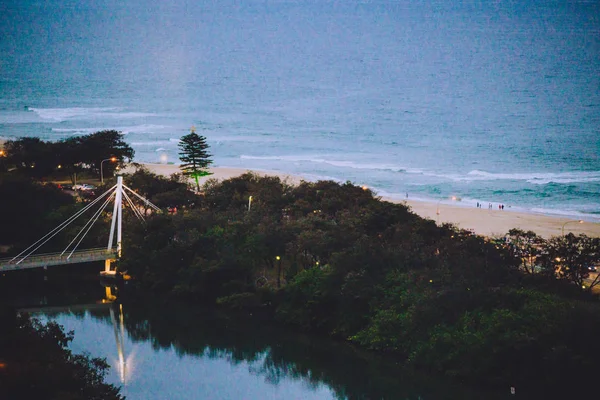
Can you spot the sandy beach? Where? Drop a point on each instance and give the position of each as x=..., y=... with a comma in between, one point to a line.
x=484, y=221
x=489, y=222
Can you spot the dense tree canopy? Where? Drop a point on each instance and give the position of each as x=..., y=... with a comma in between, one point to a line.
x=371, y=272
x=37, y=158
x=28, y=208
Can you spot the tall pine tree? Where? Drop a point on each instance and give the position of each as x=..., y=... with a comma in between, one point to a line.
x=194, y=156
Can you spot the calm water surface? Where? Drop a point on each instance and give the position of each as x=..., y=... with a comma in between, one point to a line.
x=172, y=353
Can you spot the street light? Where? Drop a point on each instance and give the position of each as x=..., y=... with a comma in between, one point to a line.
x=569, y=222
x=113, y=159
x=278, y=271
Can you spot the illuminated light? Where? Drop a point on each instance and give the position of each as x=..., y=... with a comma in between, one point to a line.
x=317, y=263
x=59, y=166
x=2, y=365
x=365, y=188
x=278, y=258
x=431, y=281
x=113, y=159
x=557, y=258
x=583, y=286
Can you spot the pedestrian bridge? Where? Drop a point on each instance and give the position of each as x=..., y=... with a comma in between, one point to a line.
x=50, y=259
x=71, y=255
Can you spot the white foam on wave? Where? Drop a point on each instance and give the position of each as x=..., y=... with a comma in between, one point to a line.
x=337, y=163
x=566, y=213
x=541, y=178
x=472, y=202
x=241, y=138
x=152, y=143
x=76, y=130
x=145, y=128
x=85, y=113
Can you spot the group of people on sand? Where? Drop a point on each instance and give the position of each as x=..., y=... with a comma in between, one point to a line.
x=490, y=206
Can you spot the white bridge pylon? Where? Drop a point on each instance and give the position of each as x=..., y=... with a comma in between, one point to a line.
x=117, y=218
x=70, y=254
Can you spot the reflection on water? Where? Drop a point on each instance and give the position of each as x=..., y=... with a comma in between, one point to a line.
x=119, y=328
x=186, y=353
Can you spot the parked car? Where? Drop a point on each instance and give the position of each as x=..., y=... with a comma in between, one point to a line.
x=592, y=268
x=84, y=186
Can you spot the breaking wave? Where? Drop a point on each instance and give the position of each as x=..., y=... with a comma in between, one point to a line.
x=85, y=113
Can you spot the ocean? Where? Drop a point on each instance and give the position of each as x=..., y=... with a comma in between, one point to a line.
x=483, y=101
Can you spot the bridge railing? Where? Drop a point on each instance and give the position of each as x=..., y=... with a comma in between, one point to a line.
x=48, y=259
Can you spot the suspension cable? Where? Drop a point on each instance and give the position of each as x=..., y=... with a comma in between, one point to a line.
x=60, y=227
x=146, y=201
x=98, y=212
x=135, y=210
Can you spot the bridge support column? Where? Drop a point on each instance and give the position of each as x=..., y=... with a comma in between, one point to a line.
x=109, y=296
x=107, y=269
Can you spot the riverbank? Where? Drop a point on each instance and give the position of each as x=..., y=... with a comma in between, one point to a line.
x=483, y=221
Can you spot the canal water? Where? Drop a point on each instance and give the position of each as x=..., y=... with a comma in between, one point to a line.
x=184, y=353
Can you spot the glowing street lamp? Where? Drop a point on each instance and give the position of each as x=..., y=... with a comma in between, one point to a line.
x=112, y=159
x=569, y=222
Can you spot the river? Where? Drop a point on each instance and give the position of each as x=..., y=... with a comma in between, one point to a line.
x=167, y=352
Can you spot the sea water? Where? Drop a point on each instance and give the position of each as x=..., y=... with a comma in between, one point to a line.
x=483, y=101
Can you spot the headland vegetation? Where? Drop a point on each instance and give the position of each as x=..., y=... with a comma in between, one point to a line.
x=334, y=259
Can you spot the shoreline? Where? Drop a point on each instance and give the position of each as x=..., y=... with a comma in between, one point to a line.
x=483, y=221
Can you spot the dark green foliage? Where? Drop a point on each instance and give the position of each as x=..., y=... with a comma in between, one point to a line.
x=36, y=364
x=28, y=209
x=163, y=192
x=194, y=156
x=339, y=261
x=36, y=158
x=32, y=156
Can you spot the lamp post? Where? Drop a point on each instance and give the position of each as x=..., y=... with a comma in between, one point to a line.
x=113, y=159
x=278, y=271
x=569, y=222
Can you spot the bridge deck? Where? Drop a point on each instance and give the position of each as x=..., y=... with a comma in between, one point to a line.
x=50, y=259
